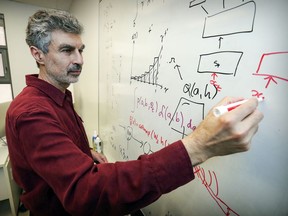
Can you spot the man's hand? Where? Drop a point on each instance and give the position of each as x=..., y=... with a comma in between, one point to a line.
x=227, y=134
x=98, y=157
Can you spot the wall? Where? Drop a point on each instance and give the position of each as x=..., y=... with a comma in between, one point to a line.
x=21, y=62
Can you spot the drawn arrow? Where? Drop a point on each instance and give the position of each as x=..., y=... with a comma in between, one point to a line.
x=214, y=75
x=177, y=66
x=269, y=78
x=220, y=39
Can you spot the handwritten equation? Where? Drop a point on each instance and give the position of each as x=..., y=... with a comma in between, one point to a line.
x=174, y=87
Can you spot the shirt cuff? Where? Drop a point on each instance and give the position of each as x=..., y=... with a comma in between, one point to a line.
x=172, y=168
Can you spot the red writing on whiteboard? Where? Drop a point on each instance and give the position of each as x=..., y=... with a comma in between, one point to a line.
x=209, y=180
x=257, y=94
x=149, y=132
x=214, y=82
x=273, y=66
x=211, y=184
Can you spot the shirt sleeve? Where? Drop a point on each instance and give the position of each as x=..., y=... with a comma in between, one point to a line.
x=85, y=188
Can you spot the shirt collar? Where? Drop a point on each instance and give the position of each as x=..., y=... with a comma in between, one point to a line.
x=50, y=90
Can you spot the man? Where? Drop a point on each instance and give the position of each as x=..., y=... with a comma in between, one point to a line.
x=49, y=149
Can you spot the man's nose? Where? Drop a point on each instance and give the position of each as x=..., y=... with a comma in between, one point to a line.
x=78, y=58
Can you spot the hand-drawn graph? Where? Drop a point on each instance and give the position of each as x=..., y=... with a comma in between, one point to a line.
x=151, y=134
x=268, y=64
x=151, y=76
x=144, y=145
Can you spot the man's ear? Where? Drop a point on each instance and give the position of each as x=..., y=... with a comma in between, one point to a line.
x=37, y=54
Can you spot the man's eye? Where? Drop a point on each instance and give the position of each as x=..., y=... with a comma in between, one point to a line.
x=67, y=50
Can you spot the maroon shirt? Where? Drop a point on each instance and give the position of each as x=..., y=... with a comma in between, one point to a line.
x=52, y=162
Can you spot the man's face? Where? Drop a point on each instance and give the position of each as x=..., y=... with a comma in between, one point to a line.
x=63, y=62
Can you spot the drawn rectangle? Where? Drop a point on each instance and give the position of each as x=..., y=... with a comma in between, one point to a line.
x=225, y=62
x=236, y=20
x=187, y=115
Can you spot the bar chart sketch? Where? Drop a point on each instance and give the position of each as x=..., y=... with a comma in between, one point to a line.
x=151, y=76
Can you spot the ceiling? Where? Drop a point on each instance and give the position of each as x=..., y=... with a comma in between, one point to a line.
x=56, y=4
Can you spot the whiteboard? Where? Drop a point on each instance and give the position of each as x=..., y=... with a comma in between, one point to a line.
x=165, y=63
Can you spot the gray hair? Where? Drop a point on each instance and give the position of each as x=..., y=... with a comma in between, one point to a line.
x=44, y=22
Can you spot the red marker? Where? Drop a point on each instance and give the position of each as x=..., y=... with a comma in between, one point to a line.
x=220, y=110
